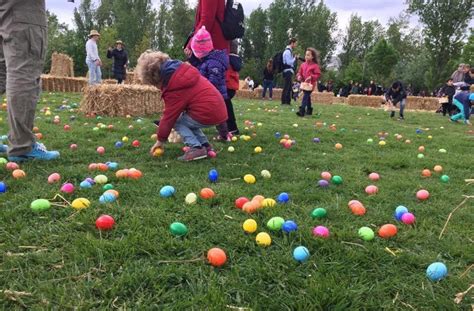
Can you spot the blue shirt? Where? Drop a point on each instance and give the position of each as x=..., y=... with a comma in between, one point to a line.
x=289, y=60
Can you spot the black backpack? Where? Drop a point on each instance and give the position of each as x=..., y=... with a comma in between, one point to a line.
x=278, y=65
x=233, y=23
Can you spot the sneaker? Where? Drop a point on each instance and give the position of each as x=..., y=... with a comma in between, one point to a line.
x=392, y=114
x=39, y=152
x=453, y=121
x=401, y=119
x=3, y=148
x=467, y=122
x=193, y=154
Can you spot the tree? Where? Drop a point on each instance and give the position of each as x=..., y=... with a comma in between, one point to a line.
x=445, y=28
x=56, y=38
x=179, y=22
x=353, y=72
x=468, y=50
x=381, y=60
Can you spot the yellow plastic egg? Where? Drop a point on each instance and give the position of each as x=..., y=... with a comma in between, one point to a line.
x=263, y=239
x=266, y=174
x=125, y=139
x=191, y=198
x=268, y=203
x=258, y=149
x=231, y=149
x=80, y=203
x=249, y=179
x=249, y=226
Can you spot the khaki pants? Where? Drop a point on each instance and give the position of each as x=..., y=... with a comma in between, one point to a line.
x=22, y=50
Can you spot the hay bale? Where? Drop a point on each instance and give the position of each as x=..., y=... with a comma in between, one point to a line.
x=365, y=101
x=121, y=100
x=324, y=98
x=422, y=103
x=62, y=65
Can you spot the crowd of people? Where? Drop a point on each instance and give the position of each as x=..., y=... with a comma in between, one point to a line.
x=198, y=92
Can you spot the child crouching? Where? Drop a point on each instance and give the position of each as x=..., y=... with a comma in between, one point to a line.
x=191, y=102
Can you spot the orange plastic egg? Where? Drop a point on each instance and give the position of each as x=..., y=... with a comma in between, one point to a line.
x=426, y=173
x=216, y=257
x=388, y=231
x=207, y=193
x=18, y=174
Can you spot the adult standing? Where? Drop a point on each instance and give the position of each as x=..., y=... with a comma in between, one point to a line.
x=268, y=78
x=120, y=57
x=459, y=74
x=210, y=13
x=23, y=40
x=289, y=61
x=92, y=59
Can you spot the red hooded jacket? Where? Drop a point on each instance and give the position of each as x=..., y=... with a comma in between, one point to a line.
x=210, y=13
x=188, y=91
x=309, y=70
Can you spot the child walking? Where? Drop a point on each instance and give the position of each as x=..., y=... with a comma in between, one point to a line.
x=212, y=64
x=309, y=73
x=191, y=102
x=232, y=82
x=396, y=94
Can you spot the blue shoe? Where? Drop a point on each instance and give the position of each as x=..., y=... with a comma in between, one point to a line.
x=39, y=152
x=3, y=148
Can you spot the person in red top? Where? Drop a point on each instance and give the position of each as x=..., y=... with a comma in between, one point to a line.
x=191, y=102
x=309, y=72
x=210, y=13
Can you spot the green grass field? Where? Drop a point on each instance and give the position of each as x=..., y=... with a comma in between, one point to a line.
x=59, y=260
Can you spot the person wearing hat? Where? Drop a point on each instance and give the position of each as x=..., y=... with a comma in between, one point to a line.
x=92, y=59
x=120, y=57
x=23, y=41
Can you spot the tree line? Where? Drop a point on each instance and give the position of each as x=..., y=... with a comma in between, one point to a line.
x=422, y=56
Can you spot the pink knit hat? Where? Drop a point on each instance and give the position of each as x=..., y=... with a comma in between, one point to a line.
x=201, y=44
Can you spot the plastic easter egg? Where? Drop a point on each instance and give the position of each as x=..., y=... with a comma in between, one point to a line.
x=265, y=174
x=251, y=207
x=430, y=137
x=40, y=205
x=178, y=229
x=422, y=195
x=277, y=135
x=319, y=213
x=107, y=197
x=18, y=174
x=234, y=139
x=105, y=222
x=112, y=165
x=85, y=184
x=371, y=190
x=438, y=168
x=101, y=179
x=358, y=209
x=100, y=150
x=421, y=149
x=408, y=218
x=287, y=144
x=366, y=234
x=249, y=179
x=211, y=154
x=338, y=146
x=382, y=143
x=3, y=161
x=263, y=239
x=420, y=156
x=216, y=257
x=3, y=187
x=125, y=139
x=258, y=149
x=231, y=149
x=436, y=271
x=326, y=176
x=53, y=178
x=426, y=173
x=73, y=146
x=250, y=226
x=268, y=202
x=213, y=176
x=118, y=144
x=275, y=223
x=388, y=231
x=283, y=197
x=136, y=143
x=167, y=191
x=67, y=188
x=134, y=173
x=321, y=231
x=370, y=141
x=239, y=203
x=158, y=152
x=289, y=226
x=113, y=192
x=444, y=178
x=191, y=198
x=207, y=193
x=407, y=141
x=323, y=183
x=374, y=176
x=337, y=180
x=399, y=211
x=442, y=151
x=316, y=140
x=301, y=254
x=80, y=203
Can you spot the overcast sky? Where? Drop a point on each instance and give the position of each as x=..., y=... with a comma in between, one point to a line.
x=368, y=9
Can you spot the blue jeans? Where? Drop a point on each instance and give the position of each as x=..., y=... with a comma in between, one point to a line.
x=267, y=84
x=306, y=102
x=190, y=131
x=402, y=108
x=95, y=74
x=465, y=111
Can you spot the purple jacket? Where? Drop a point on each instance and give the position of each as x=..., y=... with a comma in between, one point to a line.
x=213, y=67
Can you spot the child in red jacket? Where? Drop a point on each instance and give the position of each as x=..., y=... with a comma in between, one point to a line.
x=191, y=102
x=309, y=72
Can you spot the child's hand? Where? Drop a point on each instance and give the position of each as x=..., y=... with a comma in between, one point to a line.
x=157, y=145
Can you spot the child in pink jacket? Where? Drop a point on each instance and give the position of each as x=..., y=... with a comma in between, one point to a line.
x=309, y=72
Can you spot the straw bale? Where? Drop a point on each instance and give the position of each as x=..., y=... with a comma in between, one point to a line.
x=121, y=100
x=62, y=65
x=324, y=98
x=422, y=103
x=364, y=101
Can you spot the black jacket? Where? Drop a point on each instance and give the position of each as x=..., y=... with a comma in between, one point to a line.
x=268, y=75
x=449, y=91
x=468, y=79
x=396, y=96
x=120, y=60
x=235, y=62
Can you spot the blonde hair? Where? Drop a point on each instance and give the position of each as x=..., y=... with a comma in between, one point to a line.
x=148, y=69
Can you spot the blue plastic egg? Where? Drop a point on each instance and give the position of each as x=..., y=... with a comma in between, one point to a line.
x=85, y=184
x=213, y=175
x=289, y=226
x=3, y=187
x=419, y=131
x=399, y=211
x=167, y=191
x=277, y=134
x=107, y=198
x=436, y=271
x=301, y=254
x=118, y=144
x=283, y=197
x=112, y=165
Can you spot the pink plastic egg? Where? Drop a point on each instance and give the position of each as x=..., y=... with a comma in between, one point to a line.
x=422, y=195
x=371, y=190
x=54, y=178
x=321, y=231
x=100, y=150
x=374, y=176
x=326, y=175
x=408, y=218
x=67, y=188
x=211, y=154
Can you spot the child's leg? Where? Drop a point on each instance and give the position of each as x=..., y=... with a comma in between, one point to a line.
x=231, y=122
x=402, y=107
x=265, y=84
x=445, y=108
x=270, y=88
x=223, y=131
x=185, y=127
x=460, y=115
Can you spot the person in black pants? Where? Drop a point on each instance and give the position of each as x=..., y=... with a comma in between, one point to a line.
x=289, y=61
x=448, y=90
x=232, y=83
x=120, y=57
x=268, y=77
